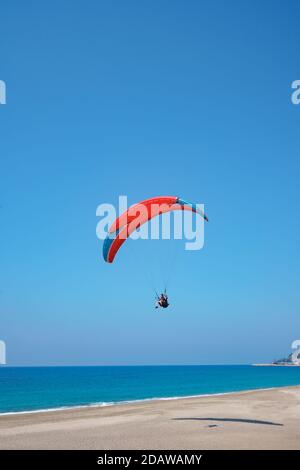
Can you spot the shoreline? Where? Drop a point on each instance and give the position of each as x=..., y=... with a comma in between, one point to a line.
x=275, y=365
x=250, y=419
x=142, y=400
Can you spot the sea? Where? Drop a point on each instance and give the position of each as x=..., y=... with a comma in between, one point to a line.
x=24, y=389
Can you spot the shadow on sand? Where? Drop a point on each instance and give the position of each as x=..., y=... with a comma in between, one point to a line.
x=231, y=420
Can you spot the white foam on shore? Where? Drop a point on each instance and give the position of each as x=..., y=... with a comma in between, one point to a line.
x=142, y=400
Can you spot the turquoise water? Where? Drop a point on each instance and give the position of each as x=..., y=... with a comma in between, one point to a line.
x=34, y=388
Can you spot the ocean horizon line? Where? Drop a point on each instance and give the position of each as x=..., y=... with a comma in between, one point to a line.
x=6, y=366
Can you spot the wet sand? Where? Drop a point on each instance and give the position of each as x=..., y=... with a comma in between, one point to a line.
x=264, y=419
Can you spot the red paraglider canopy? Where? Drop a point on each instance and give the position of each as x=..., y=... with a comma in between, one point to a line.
x=137, y=215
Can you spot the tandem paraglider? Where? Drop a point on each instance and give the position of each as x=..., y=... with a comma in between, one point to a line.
x=136, y=216
x=162, y=301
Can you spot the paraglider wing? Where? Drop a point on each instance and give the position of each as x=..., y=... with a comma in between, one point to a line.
x=139, y=214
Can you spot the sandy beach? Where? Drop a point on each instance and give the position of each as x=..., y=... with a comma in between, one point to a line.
x=264, y=419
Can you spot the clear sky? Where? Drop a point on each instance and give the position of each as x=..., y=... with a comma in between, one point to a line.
x=143, y=99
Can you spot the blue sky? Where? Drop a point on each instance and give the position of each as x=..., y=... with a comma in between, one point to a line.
x=144, y=99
